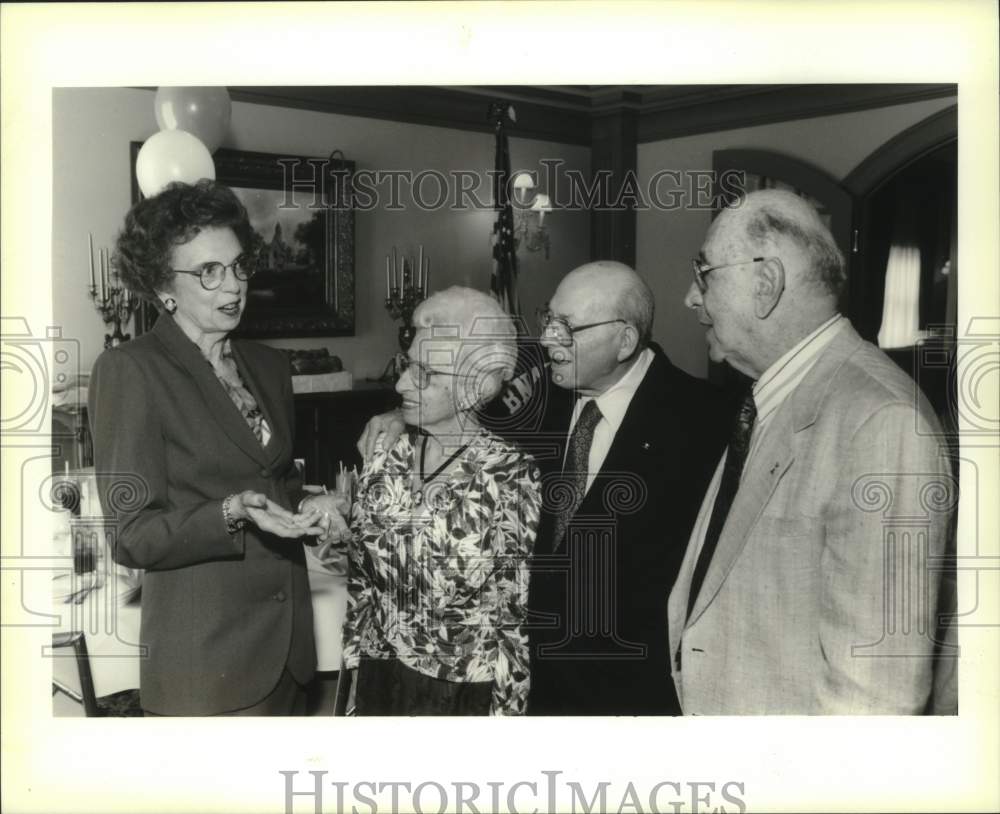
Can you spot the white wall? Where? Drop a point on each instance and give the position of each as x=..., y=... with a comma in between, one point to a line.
x=92, y=129
x=666, y=241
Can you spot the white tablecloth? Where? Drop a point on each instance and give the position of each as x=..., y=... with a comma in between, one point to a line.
x=329, y=601
x=110, y=628
x=111, y=624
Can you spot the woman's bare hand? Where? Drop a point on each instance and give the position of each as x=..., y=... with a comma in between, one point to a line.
x=279, y=521
x=389, y=425
x=256, y=508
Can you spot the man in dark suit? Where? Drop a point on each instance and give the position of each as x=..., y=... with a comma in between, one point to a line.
x=621, y=494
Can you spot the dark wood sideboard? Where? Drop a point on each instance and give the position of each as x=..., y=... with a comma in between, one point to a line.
x=327, y=427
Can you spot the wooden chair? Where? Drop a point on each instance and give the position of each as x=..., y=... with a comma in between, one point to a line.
x=124, y=704
x=344, y=703
x=86, y=695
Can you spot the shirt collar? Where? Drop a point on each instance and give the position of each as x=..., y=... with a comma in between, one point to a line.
x=613, y=402
x=771, y=389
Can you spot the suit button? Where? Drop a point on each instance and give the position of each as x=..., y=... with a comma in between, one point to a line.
x=265, y=473
x=279, y=597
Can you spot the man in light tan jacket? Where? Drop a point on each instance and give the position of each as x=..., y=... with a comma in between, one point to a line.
x=811, y=582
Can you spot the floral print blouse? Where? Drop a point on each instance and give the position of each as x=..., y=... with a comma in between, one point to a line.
x=442, y=585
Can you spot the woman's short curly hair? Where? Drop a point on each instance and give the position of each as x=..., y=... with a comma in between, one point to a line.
x=154, y=226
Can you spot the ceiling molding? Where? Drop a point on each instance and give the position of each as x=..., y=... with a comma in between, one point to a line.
x=564, y=113
x=463, y=109
x=763, y=104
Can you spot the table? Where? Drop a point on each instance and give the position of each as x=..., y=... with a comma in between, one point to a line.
x=109, y=618
x=109, y=615
x=329, y=601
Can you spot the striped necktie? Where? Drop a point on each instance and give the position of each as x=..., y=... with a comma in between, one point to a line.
x=577, y=466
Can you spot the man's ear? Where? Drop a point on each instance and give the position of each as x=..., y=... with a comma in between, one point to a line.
x=629, y=342
x=769, y=285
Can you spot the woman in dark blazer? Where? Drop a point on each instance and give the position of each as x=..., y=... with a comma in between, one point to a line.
x=193, y=447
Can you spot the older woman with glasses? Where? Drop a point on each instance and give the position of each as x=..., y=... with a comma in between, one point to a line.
x=193, y=450
x=444, y=524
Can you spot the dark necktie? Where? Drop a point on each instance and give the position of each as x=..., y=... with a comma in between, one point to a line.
x=577, y=465
x=736, y=456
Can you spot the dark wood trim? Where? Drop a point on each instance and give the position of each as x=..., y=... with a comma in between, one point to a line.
x=911, y=145
x=614, y=151
x=435, y=107
x=563, y=115
x=750, y=107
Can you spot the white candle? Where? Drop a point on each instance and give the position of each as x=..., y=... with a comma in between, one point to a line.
x=104, y=277
x=427, y=277
x=420, y=265
x=395, y=284
x=90, y=257
x=388, y=286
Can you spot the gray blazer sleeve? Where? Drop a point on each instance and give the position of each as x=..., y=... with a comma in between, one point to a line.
x=130, y=460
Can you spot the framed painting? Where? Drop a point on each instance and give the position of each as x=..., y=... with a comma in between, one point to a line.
x=303, y=221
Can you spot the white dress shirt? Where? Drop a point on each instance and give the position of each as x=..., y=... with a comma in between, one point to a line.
x=613, y=404
x=770, y=391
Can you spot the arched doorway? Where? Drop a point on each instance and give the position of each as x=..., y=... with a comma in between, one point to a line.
x=906, y=199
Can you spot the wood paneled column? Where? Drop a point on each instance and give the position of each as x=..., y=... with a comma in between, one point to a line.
x=613, y=148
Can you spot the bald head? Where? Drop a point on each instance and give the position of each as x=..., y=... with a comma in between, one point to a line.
x=612, y=290
x=608, y=311
x=774, y=221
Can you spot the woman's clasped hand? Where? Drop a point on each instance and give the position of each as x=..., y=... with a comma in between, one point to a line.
x=333, y=511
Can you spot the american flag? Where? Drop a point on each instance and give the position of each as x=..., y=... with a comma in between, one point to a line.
x=503, y=283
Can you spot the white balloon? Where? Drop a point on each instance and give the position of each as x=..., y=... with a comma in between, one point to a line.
x=172, y=155
x=202, y=112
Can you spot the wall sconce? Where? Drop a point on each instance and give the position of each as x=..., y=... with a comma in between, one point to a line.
x=529, y=219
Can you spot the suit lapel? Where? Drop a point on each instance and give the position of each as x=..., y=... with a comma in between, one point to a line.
x=266, y=391
x=633, y=445
x=221, y=407
x=770, y=463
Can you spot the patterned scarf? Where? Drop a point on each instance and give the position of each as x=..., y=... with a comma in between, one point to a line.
x=229, y=376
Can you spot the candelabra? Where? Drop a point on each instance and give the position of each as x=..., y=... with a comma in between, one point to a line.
x=404, y=291
x=115, y=304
